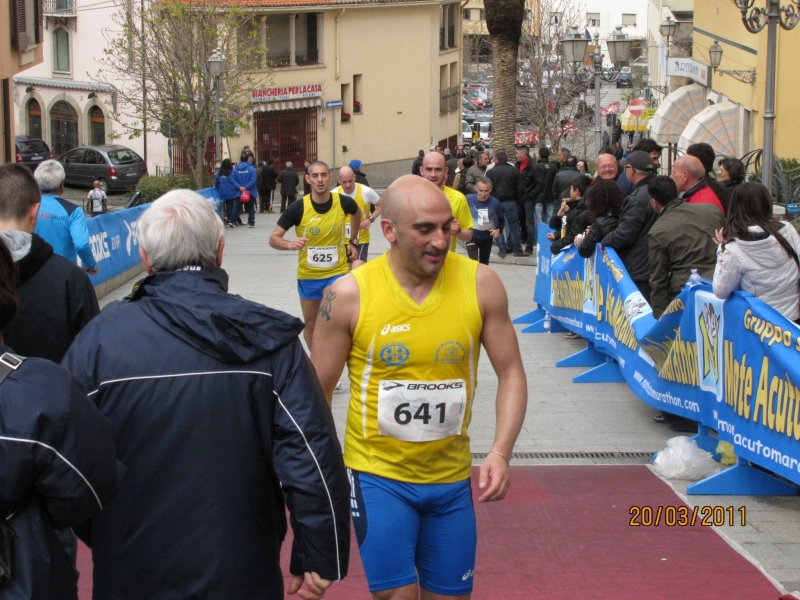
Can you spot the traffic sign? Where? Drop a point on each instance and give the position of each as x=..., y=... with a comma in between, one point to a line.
x=637, y=107
x=334, y=104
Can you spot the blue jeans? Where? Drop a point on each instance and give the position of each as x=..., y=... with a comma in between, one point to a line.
x=250, y=207
x=535, y=214
x=232, y=210
x=510, y=242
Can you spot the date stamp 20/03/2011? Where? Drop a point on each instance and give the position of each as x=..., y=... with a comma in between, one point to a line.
x=685, y=516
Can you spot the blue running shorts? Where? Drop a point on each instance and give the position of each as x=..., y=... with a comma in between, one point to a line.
x=311, y=289
x=409, y=532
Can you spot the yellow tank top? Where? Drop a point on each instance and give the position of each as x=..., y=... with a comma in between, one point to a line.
x=363, y=234
x=325, y=254
x=413, y=372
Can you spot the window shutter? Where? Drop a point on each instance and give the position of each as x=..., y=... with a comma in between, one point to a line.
x=39, y=21
x=19, y=34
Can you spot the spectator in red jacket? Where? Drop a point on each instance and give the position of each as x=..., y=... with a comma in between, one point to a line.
x=688, y=174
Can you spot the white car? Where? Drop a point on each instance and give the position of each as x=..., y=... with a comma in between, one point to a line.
x=466, y=132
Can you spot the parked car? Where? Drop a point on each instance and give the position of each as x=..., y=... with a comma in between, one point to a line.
x=466, y=132
x=485, y=131
x=625, y=78
x=31, y=151
x=115, y=167
x=468, y=106
x=474, y=97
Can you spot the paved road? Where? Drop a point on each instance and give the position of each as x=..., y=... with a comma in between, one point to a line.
x=563, y=419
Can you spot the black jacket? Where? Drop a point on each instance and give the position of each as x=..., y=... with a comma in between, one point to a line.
x=289, y=182
x=221, y=420
x=544, y=174
x=505, y=182
x=601, y=227
x=629, y=239
x=563, y=181
x=528, y=184
x=56, y=300
x=574, y=222
x=58, y=466
x=267, y=179
x=719, y=191
x=361, y=177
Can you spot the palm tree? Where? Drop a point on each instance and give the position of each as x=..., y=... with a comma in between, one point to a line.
x=504, y=22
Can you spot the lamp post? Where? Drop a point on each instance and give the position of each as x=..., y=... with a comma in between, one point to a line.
x=715, y=57
x=217, y=65
x=573, y=48
x=755, y=19
x=668, y=29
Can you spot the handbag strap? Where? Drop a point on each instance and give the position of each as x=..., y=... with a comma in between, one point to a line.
x=8, y=364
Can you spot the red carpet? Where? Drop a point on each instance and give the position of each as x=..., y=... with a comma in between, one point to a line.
x=563, y=533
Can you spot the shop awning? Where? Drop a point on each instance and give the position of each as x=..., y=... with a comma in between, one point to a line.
x=675, y=112
x=717, y=125
x=629, y=122
x=288, y=105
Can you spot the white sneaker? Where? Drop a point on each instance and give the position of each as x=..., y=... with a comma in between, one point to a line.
x=339, y=386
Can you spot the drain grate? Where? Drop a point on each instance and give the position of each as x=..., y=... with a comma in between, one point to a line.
x=573, y=455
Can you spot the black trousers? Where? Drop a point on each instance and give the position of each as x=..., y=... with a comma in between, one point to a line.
x=284, y=203
x=480, y=249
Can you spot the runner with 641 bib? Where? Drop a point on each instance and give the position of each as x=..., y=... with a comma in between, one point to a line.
x=319, y=221
x=410, y=325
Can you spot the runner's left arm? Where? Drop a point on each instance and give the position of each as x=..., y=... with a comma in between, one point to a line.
x=351, y=208
x=371, y=197
x=464, y=217
x=333, y=332
x=500, y=341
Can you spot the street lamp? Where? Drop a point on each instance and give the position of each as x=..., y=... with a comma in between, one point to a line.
x=217, y=65
x=619, y=51
x=755, y=19
x=715, y=56
x=668, y=29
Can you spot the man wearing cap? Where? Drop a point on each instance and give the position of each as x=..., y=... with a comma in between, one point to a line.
x=636, y=217
x=361, y=178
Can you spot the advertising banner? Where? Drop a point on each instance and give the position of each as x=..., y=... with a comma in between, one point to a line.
x=730, y=364
x=115, y=242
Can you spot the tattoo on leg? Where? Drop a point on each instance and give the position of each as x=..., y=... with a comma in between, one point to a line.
x=325, y=306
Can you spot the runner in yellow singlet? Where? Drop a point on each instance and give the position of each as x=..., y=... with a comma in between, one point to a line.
x=365, y=197
x=410, y=325
x=319, y=220
x=434, y=169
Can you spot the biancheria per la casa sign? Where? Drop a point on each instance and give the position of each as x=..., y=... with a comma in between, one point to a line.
x=287, y=92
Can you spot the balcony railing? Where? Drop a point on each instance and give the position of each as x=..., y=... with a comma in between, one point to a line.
x=307, y=58
x=455, y=98
x=444, y=101
x=278, y=59
x=59, y=8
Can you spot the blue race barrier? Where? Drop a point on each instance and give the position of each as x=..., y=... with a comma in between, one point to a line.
x=212, y=195
x=115, y=242
x=732, y=365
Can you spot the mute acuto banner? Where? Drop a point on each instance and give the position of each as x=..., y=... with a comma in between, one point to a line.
x=733, y=365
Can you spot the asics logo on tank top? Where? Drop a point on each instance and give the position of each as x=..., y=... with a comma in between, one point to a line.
x=395, y=328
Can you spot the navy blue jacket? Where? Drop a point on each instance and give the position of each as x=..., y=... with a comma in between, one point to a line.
x=216, y=407
x=58, y=465
x=245, y=175
x=226, y=186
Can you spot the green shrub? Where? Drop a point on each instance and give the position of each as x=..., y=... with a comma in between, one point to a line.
x=153, y=188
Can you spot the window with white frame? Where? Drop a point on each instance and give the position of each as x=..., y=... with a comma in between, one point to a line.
x=628, y=20
x=593, y=19
x=61, y=54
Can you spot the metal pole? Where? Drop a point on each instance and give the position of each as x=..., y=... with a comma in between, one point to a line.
x=333, y=158
x=769, y=97
x=597, y=59
x=217, y=138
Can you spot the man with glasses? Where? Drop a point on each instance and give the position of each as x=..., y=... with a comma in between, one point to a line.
x=636, y=217
x=607, y=165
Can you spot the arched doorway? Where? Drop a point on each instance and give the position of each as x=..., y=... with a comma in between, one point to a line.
x=63, y=128
x=34, y=118
x=98, y=126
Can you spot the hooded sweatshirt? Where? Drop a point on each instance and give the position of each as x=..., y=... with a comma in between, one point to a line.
x=222, y=424
x=762, y=267
x=56, y=298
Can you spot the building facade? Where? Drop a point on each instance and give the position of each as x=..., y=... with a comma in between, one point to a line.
x=59, y=102
x=394, y=65
x=21, y=49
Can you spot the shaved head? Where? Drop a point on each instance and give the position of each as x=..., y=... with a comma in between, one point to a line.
x=346, y=172
x=417, y=223
x=434, y=168
x=408, y=194
x=347, y=179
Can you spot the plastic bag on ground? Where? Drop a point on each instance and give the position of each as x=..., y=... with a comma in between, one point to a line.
x=682, y=459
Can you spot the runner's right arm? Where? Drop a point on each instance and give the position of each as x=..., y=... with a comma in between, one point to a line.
x=333, y=332
x=291, y=217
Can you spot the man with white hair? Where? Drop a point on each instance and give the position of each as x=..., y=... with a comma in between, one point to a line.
x=61, y=223
x=222, y=425
x=365, y=197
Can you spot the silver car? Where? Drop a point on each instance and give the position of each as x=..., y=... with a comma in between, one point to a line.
x=115, y=167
